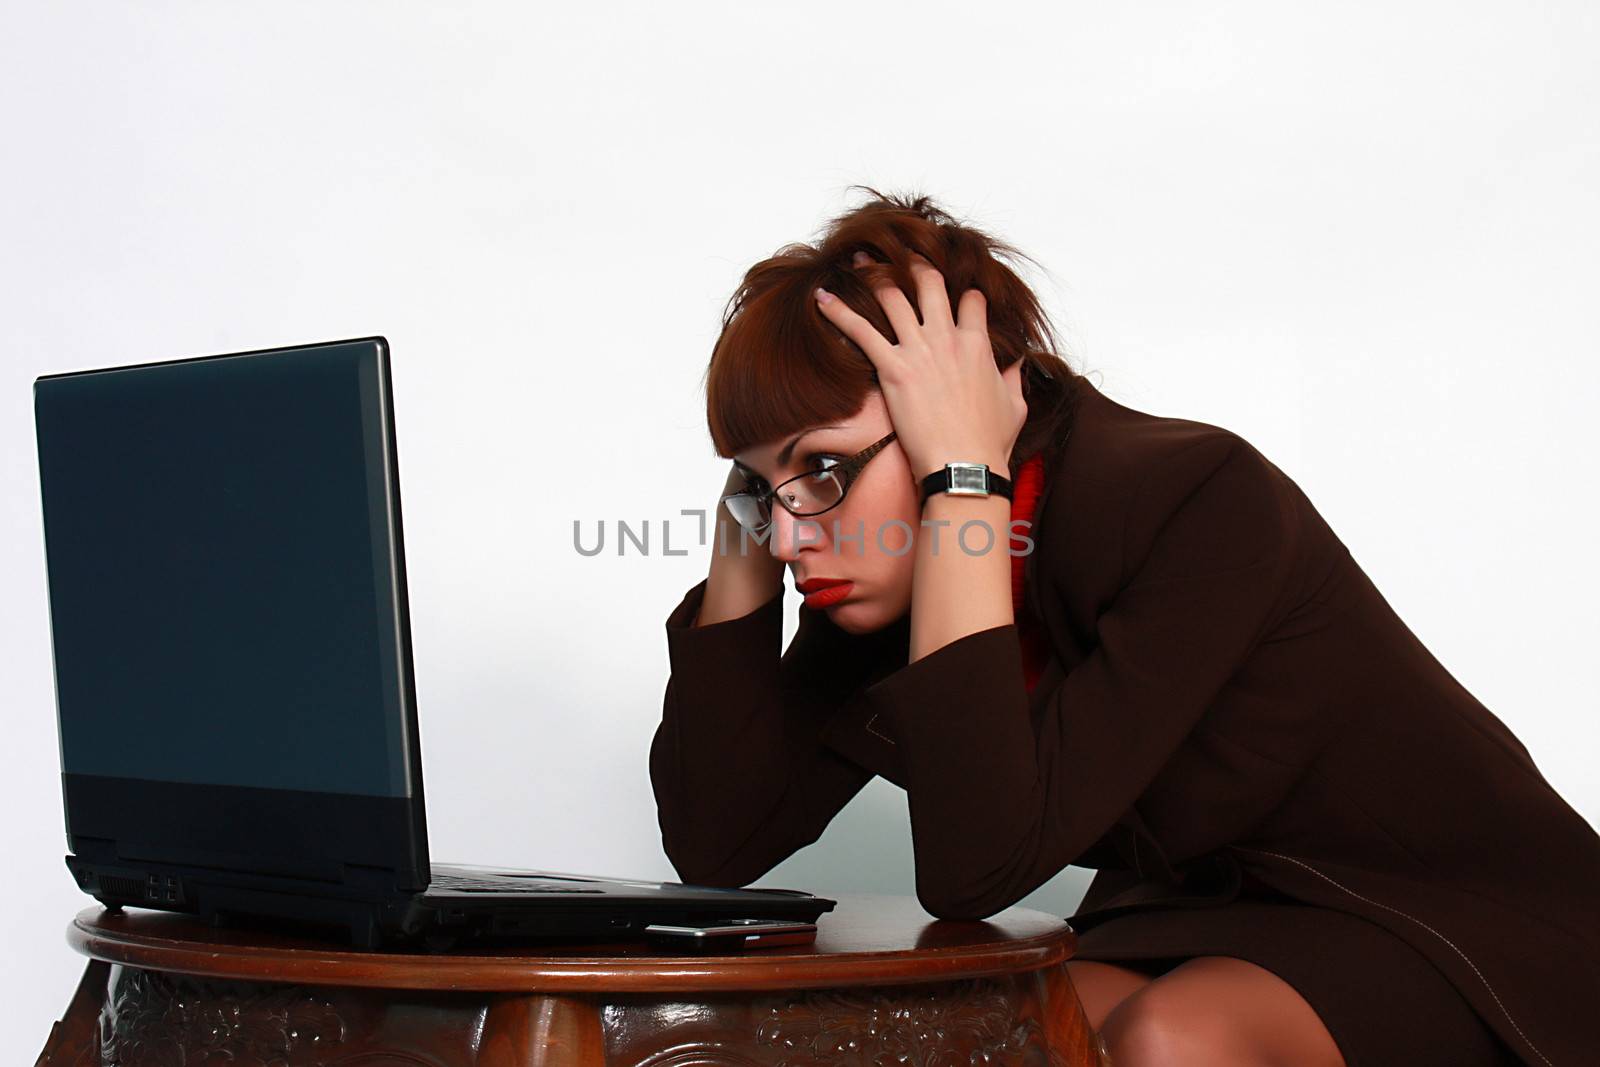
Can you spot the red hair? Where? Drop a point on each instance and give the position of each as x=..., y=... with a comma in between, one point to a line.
x=779, y=365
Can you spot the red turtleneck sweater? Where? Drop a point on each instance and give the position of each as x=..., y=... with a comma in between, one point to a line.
x=1024, y=500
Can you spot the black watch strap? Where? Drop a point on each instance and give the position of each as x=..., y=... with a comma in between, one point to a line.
x=966, y=479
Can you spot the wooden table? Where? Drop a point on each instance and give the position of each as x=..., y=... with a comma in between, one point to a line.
x=883, y=984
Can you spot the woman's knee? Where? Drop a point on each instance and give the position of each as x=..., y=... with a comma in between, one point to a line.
x=1155, y=1028
x=1102, y=986
x=1218, y=1010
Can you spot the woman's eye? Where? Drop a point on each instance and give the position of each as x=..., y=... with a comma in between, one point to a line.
x=823, y=461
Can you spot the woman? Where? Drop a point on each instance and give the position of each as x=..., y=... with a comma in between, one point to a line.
x=1313, y=846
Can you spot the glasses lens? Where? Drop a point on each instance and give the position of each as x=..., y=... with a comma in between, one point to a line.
x=747, y=511
x=811, y=493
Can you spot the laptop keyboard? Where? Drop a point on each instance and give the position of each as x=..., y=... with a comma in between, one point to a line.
x=467, y=884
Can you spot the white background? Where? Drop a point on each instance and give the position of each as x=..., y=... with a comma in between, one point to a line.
x=1362, y=235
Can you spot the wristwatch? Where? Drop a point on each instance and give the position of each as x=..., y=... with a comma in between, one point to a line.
x=966, y=479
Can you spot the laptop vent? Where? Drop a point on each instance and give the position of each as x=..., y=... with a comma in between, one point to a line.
x=129, y=888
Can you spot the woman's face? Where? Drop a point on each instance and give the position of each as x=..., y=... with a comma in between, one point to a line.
x=858, y=540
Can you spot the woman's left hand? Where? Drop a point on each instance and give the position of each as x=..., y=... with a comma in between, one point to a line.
x=946, y=398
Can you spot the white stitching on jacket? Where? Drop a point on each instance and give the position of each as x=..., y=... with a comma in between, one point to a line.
x=875, y=733
x=1419, y=922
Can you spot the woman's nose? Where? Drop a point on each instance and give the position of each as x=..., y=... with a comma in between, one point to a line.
x=790, y=534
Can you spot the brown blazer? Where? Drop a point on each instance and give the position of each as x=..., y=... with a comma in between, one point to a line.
x=1228, y=693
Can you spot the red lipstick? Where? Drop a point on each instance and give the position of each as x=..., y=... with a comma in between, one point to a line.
x=821, y=592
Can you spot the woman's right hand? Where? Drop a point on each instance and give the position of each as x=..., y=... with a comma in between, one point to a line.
x=740, y=581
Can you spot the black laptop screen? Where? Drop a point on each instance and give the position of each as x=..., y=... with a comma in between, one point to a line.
x=221, y=576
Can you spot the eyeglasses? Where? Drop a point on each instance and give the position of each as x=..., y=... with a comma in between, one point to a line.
x=810, y=493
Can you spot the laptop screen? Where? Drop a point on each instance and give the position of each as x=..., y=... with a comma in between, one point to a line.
x=222, y=571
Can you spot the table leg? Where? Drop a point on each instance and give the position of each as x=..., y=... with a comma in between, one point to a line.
x=541, y=1031
x=1066, y=1024
x=73, y=1042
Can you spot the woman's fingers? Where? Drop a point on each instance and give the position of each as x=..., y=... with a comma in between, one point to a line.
x=1012, y=376
x=944, y=392
x=902, y=316
x=974, y=312
x=858, y=329
x=932, y=299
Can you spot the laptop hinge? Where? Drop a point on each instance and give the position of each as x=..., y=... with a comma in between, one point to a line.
x=379, y=879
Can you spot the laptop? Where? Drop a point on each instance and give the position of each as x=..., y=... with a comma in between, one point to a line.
x=232, y=652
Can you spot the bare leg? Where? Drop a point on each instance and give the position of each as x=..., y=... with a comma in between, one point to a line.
x=1217, y=1011
x=1102, y=986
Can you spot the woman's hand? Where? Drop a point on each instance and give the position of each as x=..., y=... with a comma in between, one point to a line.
x=744, y=574
x=945, y=397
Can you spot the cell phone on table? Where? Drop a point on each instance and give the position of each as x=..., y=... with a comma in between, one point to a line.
x=729, y=934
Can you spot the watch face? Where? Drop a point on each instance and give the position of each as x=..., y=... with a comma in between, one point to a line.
x=969, y=478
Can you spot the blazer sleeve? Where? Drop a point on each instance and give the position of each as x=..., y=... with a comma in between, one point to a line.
x=741, y=777
x=999, y=801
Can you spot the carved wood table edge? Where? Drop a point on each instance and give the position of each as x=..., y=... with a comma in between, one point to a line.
x=884, y=982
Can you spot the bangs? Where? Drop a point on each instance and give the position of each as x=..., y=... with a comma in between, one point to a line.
x=780, y=366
